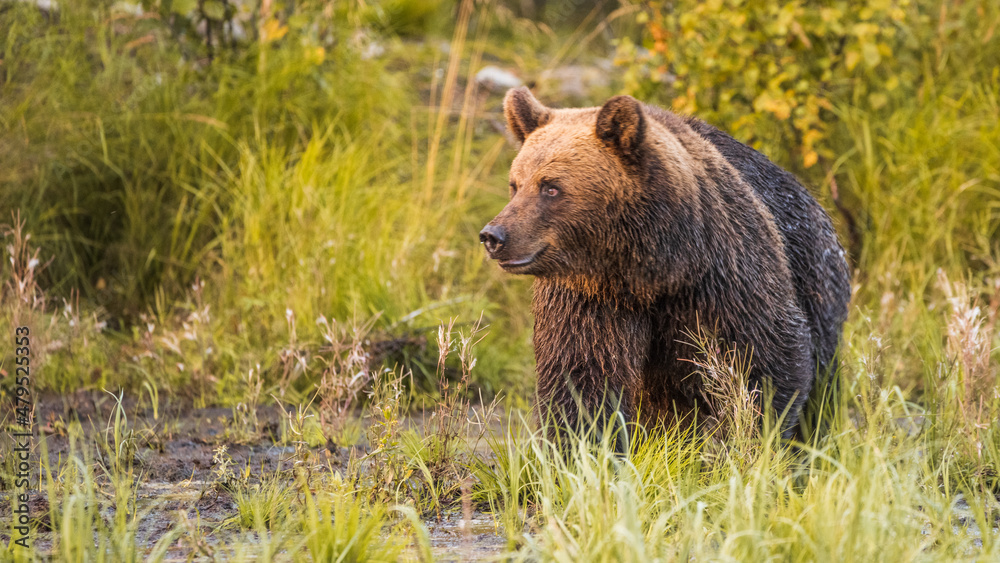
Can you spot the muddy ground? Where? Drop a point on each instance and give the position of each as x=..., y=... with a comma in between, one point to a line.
x=177, y=467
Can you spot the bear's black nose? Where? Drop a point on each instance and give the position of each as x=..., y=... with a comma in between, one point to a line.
x=493, y=237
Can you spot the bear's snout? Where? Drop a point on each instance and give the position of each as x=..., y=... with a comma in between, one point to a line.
x=493, y=237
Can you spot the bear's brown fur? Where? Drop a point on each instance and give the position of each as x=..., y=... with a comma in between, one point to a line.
x=641, y=226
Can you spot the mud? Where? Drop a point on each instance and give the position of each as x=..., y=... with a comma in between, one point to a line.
x=178, y=481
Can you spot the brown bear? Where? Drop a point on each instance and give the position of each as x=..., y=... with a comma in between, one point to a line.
x=640, y=226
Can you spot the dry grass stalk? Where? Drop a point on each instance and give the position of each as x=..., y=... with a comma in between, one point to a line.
x=969, y=338
x=450, y=418
x=21, y=291
x=245, y=412
x=346, y=373
x=448, y=93
x=735, y=414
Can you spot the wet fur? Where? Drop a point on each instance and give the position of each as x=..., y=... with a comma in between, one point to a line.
x=666, y=224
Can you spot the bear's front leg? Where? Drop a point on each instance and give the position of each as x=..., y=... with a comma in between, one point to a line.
x=589, y=355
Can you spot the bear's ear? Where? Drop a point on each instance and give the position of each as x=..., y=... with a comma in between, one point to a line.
x=524, y=113
x=621, y=126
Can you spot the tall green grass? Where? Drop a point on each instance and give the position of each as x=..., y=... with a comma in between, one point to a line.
x=928, y=182
x=874, y=489
x=123, y=151
x=290, y=173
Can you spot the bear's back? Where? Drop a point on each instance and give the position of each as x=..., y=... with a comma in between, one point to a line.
x=816, y=258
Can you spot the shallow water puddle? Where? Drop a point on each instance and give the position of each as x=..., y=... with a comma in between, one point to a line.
x=480, y=540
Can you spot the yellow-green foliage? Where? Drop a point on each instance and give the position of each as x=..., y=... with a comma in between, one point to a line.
x=773, y=71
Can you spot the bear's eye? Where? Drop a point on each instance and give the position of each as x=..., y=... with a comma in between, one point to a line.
x=513, y=188
x=550, y=190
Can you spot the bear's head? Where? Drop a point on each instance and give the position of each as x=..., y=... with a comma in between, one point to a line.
x=577, y=173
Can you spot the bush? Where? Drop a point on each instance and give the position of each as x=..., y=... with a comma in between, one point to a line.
x=127, y=130
x=275, y=162
x=844, y=93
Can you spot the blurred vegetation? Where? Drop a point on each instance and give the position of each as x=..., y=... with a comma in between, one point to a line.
x=271, y=160
x=216, y=186
x=888, y=107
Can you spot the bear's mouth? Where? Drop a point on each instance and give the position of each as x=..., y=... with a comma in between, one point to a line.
x=513, y=264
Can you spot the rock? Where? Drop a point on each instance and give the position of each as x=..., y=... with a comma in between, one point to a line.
x=373, y=50
x=496, y=79
x=575, y=81
x=367, y=45
x=47, y=6
x=127, y=8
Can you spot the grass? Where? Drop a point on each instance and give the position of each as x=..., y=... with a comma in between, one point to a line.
x=266, y=173
x=875, y=488
x=280, y=231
